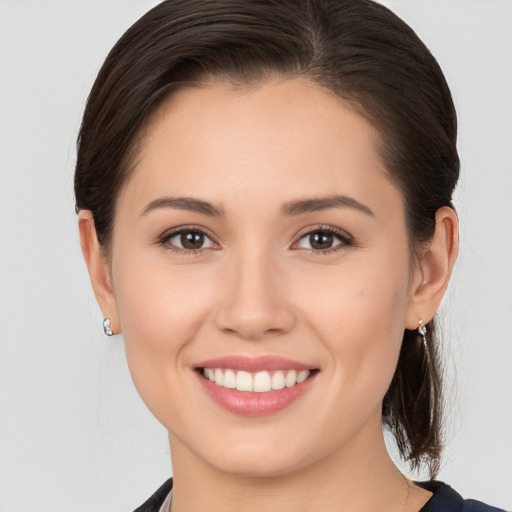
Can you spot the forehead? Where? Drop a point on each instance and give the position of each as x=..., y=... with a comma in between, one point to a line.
x=290, y=107
x=283, y=137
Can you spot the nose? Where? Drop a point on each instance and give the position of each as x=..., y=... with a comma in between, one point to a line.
x=255, y=302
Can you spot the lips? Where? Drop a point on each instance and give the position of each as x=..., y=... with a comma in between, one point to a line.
x=255, y=386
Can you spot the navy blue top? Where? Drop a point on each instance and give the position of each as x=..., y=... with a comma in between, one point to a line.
x=444, y=499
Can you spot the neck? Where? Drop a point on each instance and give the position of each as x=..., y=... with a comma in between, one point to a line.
x=359, y=477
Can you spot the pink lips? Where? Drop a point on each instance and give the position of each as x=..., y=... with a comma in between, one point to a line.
x=253, y=364
x=254, y=404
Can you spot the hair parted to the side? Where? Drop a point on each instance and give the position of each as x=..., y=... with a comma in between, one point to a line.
x=357, y=49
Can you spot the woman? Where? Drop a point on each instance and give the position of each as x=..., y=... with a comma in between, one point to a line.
x=264, y=196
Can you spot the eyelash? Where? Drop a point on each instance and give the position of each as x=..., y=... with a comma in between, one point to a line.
x=345, y=240
x=164, y=240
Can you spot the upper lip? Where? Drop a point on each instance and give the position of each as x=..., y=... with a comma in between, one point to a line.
x=253, y=364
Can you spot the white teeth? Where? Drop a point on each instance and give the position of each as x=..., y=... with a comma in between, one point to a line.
x=243, y=381
x=302, y=376
x=278, y=381
x=219, y=377
x=229, y=379
x=260, y=382
x=291, y=379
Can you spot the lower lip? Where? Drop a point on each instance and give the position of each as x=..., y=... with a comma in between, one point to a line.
x=245, y=403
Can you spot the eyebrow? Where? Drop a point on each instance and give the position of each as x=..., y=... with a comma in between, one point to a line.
x=289, y=209
x=325, y=203
x=184, y=203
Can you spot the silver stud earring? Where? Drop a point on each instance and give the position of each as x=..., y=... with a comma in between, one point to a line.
x=106, y=327
x=422, y=329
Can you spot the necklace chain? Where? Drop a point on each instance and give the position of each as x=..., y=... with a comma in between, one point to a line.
x=409, y=484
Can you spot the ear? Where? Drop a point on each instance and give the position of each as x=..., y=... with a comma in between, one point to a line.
x=99, y=271
x=433, y=270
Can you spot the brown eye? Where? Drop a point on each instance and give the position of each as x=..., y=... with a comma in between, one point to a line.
x=188, y=240
x=321, y=240
x=192, y=240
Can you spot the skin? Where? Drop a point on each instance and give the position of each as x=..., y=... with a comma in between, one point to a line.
x=257, y=289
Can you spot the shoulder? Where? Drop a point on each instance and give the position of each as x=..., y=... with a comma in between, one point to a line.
x=446, y=499
x=154, y=503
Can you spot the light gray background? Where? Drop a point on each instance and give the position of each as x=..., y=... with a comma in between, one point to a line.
x=73, y=433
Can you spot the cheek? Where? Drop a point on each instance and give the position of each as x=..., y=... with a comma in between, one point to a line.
x=158, y=303
x=359, y=315
x=160, y=309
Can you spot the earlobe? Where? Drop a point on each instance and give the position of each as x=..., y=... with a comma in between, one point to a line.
x=434, y=269
x=98, y=268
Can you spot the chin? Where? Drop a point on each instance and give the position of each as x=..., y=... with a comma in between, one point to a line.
x=267, y=458
x=260, y=467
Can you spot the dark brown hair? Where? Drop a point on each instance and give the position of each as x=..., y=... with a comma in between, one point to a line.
x=359, y=50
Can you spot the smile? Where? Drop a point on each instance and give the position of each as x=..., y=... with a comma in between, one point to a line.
x=258, y=382
x=255, y=386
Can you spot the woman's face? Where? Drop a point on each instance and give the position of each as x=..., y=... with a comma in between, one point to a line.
x=260, y=236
